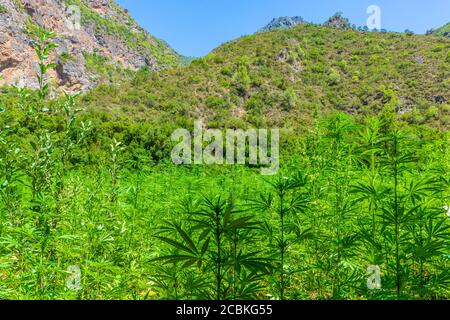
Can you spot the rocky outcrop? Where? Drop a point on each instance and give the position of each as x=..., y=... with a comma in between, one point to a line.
x=82, y=27
x=283, y=23
x=337, y=21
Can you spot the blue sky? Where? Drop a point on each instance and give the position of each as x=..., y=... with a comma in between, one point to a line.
x=195, y=27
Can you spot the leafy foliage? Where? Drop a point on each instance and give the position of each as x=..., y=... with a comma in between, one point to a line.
x=292, y=73
x=97, y=191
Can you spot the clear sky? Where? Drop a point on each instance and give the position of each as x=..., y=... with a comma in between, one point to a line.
x=195, y=27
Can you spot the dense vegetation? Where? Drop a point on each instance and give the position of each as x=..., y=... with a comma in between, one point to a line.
x=442, y=31
x=355, y=192
x=282, y=78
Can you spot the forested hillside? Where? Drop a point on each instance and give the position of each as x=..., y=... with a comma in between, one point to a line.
x=92, y=206
x=283, y=77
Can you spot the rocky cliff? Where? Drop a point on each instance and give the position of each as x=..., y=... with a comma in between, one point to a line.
x=98, y=42
x=283, y=23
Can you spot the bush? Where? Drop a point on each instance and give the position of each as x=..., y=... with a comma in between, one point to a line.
x=3, y=9
x=216, y=102
x=334, y=77
x=289, y=99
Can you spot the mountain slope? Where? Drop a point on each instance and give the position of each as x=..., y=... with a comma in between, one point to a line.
x=108, y=43
x=283, y=77
x=443, y=31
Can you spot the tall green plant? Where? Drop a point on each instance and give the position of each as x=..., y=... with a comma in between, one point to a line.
x=284, y=200
x=215, y=248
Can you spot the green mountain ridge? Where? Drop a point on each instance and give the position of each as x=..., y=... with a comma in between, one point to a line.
x=281, y=78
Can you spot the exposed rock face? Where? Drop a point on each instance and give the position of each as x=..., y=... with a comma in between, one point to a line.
x=103, y=29
x=283, y=23
x=338, y=21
